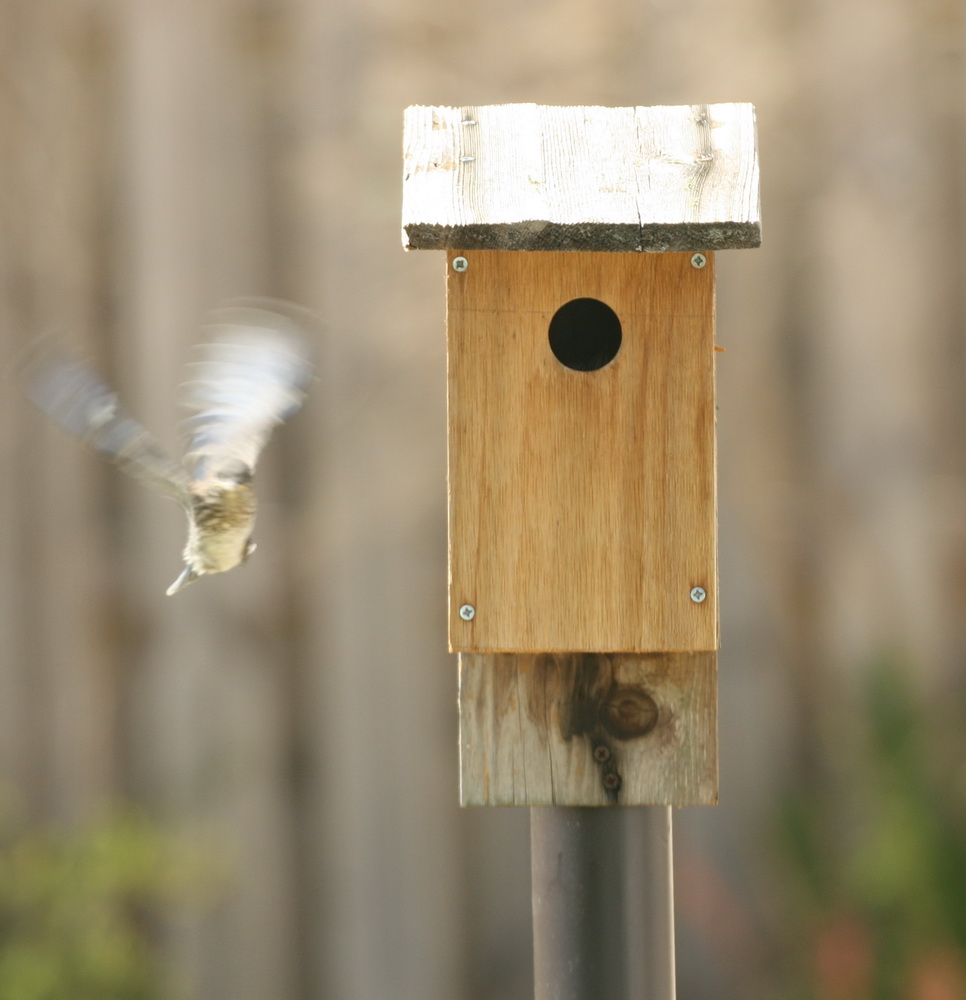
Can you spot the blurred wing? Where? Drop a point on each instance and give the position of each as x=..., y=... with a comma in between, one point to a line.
x=75, y=398
x=251, y=377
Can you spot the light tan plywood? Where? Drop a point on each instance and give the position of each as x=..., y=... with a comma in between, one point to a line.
x=588, y=729
x=581, y=503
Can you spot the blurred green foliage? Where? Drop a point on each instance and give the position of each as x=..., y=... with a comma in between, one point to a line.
x=77, y=906
x=874, y=838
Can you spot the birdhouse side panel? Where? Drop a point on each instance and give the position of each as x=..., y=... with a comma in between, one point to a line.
x=581, y=461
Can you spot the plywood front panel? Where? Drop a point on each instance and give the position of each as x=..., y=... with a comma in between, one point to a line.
x=581, y=503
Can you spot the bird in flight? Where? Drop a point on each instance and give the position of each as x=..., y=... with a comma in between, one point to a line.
x=251, y=374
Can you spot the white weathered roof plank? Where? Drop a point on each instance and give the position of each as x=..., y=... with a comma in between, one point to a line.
x=537, y=177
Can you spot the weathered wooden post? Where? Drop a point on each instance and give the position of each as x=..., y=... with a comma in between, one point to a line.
x=582, y=524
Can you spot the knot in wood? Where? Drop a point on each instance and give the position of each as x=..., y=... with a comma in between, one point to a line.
x=628, y=712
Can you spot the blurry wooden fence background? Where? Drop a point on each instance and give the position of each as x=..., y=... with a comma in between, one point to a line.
x=157, y=158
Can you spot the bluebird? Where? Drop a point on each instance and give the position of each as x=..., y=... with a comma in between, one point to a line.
x=251, y=376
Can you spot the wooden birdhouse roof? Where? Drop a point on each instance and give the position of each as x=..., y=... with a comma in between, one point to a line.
x=536, y=177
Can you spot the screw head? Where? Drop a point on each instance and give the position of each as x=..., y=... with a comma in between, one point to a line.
x=467, y=612
x=698, y=260
x=601, y=753
x=460, y=264
x=698, y=594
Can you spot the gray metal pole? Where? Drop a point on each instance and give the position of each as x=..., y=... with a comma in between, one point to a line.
x=603, y=917
x=649, y=902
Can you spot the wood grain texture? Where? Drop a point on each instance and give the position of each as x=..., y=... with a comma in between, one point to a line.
x=581, y=504
x=588, y=730
x=535, y=177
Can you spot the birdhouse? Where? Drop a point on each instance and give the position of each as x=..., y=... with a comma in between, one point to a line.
x=581, y=424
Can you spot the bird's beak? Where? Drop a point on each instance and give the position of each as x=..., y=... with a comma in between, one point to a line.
x=188, y=575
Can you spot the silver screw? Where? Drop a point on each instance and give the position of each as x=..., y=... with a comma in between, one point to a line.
x=467, y=612
x=698, y=594
x=698, y=260
x=460, y=264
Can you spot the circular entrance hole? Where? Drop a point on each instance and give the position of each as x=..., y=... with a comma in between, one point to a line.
x=585, y=334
